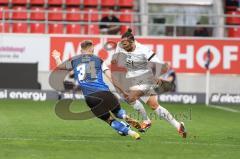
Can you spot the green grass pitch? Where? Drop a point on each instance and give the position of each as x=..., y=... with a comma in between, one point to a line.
x=31, y=130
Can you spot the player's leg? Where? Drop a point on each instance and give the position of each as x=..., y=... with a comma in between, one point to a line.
x=138, y=106
x=119, y=112
x=165, y=114
x=120, y=127
x=100, y=104
x=133, y=100
x=134, y=95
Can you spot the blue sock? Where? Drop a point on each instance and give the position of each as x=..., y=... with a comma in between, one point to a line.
x=121, y=113
x=120, y=127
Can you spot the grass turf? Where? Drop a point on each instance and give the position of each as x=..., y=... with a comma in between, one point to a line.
x=31, y=130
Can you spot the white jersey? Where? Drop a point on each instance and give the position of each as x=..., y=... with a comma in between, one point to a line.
x=136, y=61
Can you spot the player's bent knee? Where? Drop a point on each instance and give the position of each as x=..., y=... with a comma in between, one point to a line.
x=152, y=104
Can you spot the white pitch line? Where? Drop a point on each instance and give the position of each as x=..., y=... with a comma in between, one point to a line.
x=120, y=141
x=225, y=108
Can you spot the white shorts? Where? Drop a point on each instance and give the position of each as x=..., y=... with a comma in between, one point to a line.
x=145, y=84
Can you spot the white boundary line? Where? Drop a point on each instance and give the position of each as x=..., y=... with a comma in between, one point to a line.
x=225, y=108
x=120, y=141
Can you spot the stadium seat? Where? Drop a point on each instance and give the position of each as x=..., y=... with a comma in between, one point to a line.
x=19, y=12
x=55, y=2
x=37, y=13
x=234, y=32
x=231, y=19
x=90, y=14
x=105, y=12
x=4, y=2
x=126, y=3
x=19, y=27
x=6, y=12
x=91, y=29
x=73, y=14
x=124, y=28
x=55, y=28
x=19, y=2
x=73, y=2
x=73, y=29
x=90, y=2
x=37, y=28
x=37, y=2
x=4, y=28
x=126, y=15
x=108, y=3
x=55, y=13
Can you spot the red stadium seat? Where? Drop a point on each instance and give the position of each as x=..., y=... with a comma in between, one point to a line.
x=231, y=19
x=108, y=3
x=73, y=29
x=90, y=2
x=105, y=12
x=6, y=12
x=55, y=28
x=55, y=13
x=73, y=14
x=124, y=29
x=4, y=28
x=126, y=15
x=91, y=29
x=55, y=2
x=19, y=1
x=126, y=3
x=37, y=2
x=37, y=13
x=91, y=14
x=73, y=2
x=19, y=28
x=19, y=12
x=234, y=32
x=37, y=28
x=4, y=2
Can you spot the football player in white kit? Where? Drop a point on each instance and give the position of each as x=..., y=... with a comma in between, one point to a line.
x=143, y=82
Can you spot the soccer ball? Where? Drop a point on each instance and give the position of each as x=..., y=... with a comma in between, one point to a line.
x=127, y=125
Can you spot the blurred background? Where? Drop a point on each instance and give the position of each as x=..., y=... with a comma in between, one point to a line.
x=187, y=33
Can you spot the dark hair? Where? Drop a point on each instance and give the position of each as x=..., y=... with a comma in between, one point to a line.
x=128, y=34
x=86, y=43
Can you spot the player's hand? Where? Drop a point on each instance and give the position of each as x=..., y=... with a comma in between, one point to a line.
x=55, y=54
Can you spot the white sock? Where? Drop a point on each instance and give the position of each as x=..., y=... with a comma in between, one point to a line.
x=164, y=113
x=131, y=132
x=140, y=108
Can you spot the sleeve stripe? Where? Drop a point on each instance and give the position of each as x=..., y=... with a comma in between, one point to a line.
x=151, y=56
